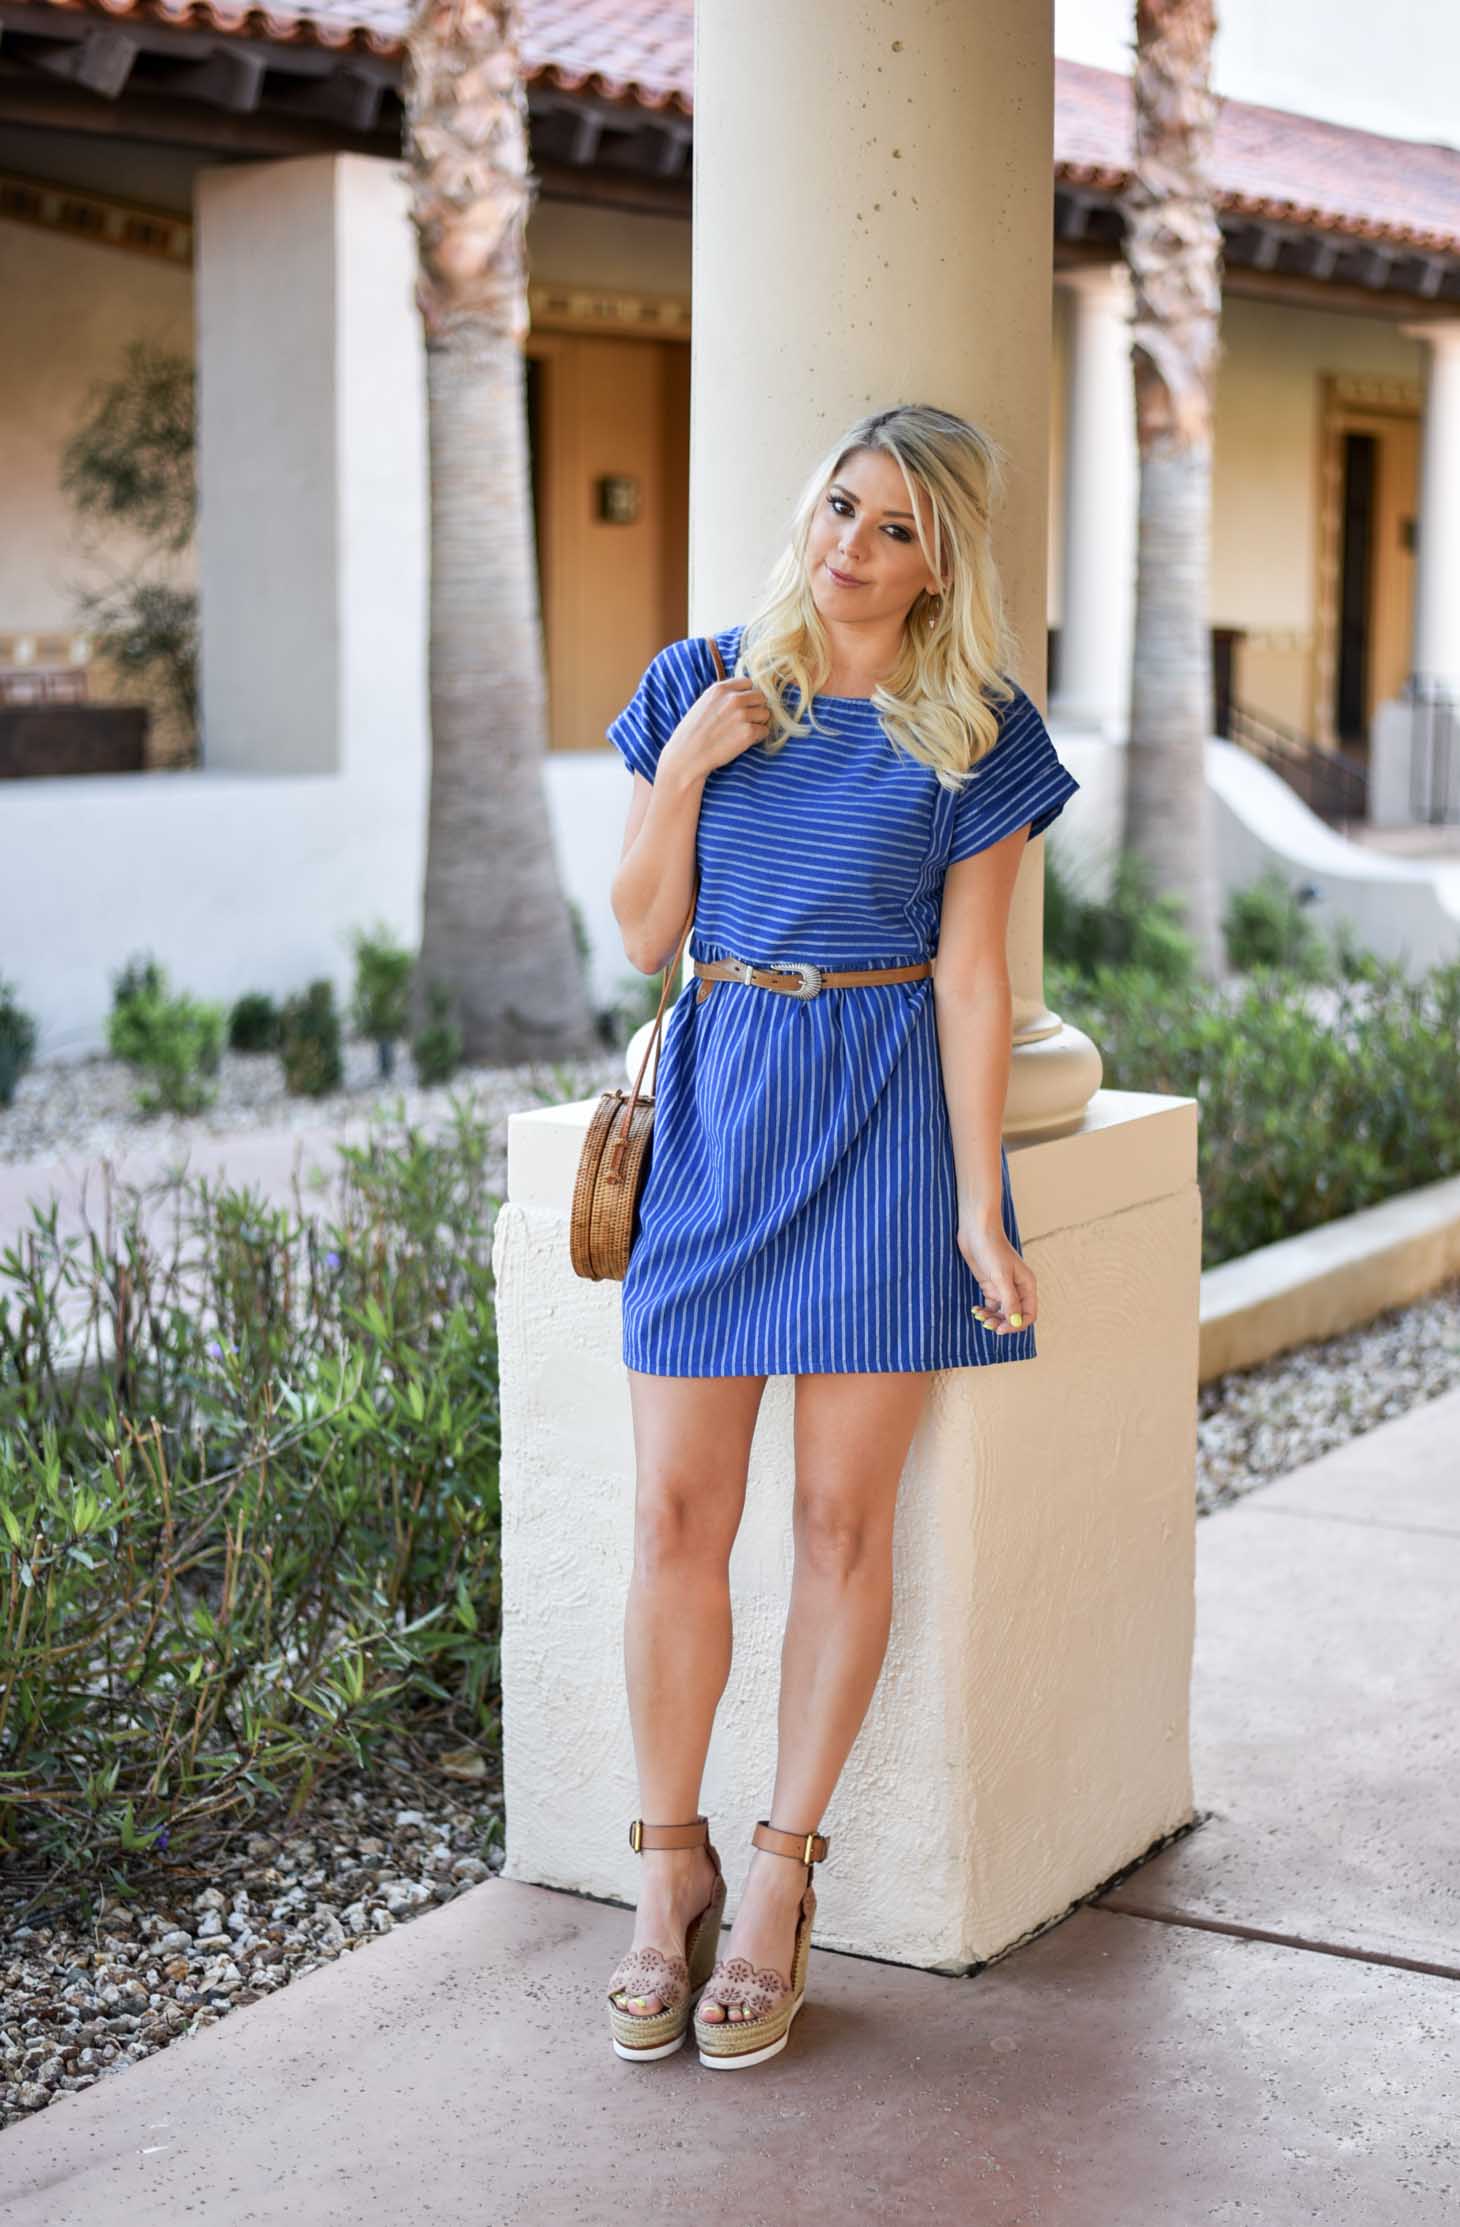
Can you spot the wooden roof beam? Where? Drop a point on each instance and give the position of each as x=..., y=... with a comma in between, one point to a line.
x=101, y=60
x=348, y=97
x=232, y=77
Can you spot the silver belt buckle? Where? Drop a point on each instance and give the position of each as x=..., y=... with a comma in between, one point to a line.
x=810, y=975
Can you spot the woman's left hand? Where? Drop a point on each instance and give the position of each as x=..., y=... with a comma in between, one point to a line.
x=1006, y=1280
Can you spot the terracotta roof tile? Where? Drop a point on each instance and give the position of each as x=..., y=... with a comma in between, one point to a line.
x=1265, y=161
x=632, y=50
x=1269, y=162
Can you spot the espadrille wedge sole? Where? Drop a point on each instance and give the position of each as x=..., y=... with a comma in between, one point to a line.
x=730, y=2045
x=676, y=1980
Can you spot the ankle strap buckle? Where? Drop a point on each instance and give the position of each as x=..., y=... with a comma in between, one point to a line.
x=806, y=1848
x=691, y=1833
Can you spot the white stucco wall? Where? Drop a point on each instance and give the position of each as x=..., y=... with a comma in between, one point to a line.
x=242, y=883
x=1393, y=69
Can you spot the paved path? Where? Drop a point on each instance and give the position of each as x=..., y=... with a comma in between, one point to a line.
x=1260, y=2027
x=263, y=1159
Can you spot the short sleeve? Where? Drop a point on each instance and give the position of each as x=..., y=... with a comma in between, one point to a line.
x=1022, y=781
x=670, y=684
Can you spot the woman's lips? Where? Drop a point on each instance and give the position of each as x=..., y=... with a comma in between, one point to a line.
x=842, y=579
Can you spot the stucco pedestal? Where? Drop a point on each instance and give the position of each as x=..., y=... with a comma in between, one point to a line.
x=1029, y=1733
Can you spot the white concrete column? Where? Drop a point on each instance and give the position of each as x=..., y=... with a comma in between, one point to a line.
x=1436, y=653
x=873, y=223
x=312, y=468
x=1101, y=492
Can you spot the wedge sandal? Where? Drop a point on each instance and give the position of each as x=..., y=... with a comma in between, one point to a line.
x=676, y=1980
x=770, y=1999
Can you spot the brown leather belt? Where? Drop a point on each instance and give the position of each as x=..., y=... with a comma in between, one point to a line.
x=798, y=978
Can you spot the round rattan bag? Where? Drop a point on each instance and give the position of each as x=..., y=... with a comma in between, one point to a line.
x=615, y=1155
x=615, y=1160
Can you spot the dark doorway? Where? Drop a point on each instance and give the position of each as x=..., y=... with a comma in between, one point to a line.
x=1355, y=588
x=534, y=399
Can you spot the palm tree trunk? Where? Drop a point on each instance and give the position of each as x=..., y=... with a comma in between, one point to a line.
x=1173, y=246
x=496, y=932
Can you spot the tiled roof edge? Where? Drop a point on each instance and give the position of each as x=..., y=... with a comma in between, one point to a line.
x=307, y=30
x=265, y=22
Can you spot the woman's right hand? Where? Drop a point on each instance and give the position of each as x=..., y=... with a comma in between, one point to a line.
x=724, y=720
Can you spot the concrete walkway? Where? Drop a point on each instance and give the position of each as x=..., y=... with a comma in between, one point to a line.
x=1258, y=2027
x=266, y=1160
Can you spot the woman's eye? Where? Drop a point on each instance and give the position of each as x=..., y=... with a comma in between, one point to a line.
x=839, y=504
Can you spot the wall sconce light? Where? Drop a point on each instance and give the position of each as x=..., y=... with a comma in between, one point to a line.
x=618, y=498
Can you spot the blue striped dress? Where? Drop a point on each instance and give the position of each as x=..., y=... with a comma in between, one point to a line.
x=799, y=1210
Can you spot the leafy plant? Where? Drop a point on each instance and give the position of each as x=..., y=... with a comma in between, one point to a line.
x=436, y=1049
x=174, y=1042
x=1131, y=927
x=381, y=1005
x=17, y=1041
x=131, y=463
x=309, y=1037
x=147, y=626
x=133, y=460
x=1314, y=1099
x=1265, y=925
x=253, y=1024
x=248, y=1496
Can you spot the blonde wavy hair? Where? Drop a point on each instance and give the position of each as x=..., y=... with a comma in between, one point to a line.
x=939, y=700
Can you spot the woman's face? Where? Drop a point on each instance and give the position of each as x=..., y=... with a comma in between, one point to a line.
x=863, y=531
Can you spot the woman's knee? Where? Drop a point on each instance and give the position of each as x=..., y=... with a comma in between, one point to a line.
x=682, y=1525
x=836, y=1534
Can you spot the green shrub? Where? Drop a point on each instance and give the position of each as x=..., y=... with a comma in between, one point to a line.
x=436, y=1049
x=1131, y=927
x=173, y=1041
x=382, y=1001
x=253, y=1025
x=1265, y=925
x=17, y=1041
x=1314, y=1100
x=140, y=984
x=309, y=1036
x=248, y=1496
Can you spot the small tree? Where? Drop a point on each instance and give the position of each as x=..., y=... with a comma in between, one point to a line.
x=382, y=1001
x=132, y=464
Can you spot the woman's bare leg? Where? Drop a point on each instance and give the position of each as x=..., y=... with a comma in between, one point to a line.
x=692, y=1439
x=852, y=1436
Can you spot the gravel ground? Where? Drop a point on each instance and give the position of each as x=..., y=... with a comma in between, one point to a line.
x=85, y=1109
x=83, y=1996
x=1258, y=1424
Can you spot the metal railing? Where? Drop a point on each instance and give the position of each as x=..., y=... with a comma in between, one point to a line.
x=1330, y=785
x=1434, y=751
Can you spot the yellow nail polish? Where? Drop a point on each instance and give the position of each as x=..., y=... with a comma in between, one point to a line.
x=1016, y=1321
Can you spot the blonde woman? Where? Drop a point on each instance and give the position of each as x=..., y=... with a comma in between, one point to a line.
x=828, y=1194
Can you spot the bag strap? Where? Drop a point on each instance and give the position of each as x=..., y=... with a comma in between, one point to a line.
x=670, y=974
